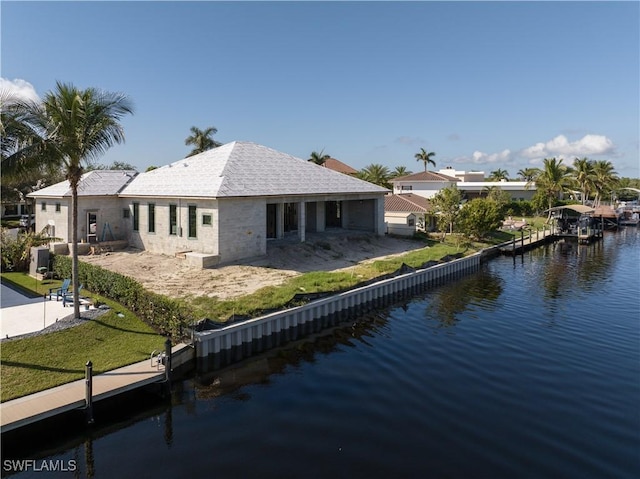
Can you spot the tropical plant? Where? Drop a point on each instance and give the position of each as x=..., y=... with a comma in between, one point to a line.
x=318, y=158
x=116, y=165
x=479, y=217
x=552, y=182
x=72, y=128
x=499, y=175
x=201, y=140
x=528, y=174
x=446, y=206
x=425, y=157
x=400, y=171
x=16, y=249
x=19, y=135
x=376, y=174
x=605, y=179
x=497, y=194
x=584, y=176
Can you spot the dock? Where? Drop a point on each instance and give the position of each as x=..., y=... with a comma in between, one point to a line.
x=524, y=243
x=73, y=396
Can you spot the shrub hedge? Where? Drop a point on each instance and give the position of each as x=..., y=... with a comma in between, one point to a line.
x=167, y=316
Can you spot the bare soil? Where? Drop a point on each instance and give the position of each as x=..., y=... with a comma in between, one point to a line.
x=285, y=258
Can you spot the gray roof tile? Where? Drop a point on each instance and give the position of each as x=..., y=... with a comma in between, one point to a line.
x=241, y=169
x=92, y=183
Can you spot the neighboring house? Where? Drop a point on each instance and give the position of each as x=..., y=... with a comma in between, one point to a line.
x=517, y=189
x=224, y=204
x=423, y=183
x=407, y=213
x=461, y=175
x=470, y=183
x=14, y=209
x=340, y=167
x=100, y=210
x=473, y=185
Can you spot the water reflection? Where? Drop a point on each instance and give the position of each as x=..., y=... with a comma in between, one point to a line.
x=449, y=302
x=576, y=266
x=230, y=380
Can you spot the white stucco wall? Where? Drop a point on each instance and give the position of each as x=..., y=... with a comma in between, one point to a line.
x=243, y=228
x=426, y=189
x=108, y=211
x=161, y=241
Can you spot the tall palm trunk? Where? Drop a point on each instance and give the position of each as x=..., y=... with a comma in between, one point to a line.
x=74, y=180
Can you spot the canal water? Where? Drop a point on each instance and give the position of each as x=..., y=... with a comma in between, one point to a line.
x=529, y=368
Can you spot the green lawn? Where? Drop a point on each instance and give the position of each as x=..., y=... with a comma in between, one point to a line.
x=33, y=364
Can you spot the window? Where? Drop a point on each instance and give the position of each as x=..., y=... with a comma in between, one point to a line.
x=173, y=220
x=406, y=187
x=126, y=213
x=136, y=217
x=192, y=221
x=207, y=220
x=43, y=206
x=152, y=217
x=411, y=221
x=57, y=207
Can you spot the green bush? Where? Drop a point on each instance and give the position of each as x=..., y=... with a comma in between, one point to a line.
x=16, y=252
x=166, y=315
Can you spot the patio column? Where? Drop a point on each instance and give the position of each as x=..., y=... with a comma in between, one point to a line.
x=302, y=221
x=280, y=221
x=321, y=219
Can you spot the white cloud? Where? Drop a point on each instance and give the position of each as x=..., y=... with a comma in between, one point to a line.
x=18, y=88
x=560, y=146
x=480, y=158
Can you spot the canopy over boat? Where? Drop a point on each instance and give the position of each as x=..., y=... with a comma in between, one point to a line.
x=582, y=209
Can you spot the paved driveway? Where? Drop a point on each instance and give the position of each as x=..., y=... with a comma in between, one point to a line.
x=20, y=314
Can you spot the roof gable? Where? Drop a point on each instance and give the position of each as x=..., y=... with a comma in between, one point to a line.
x=406, y=203
x=425, y=176
x=241, y=169
x=339, y=166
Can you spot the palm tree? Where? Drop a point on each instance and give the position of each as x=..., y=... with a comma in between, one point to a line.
x=19, y=136
x=318, y=158
x=73, y=128
x=528, y=174
x=376, y=174
x=552, y=181
x=604, y=179
x=583, y=176
x=425, y=157
x=201, y=140
x=400, y=171
x=499, y=175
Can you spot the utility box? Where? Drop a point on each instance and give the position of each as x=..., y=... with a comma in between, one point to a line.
x=39, y=259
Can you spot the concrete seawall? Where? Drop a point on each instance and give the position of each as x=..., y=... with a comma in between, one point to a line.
x=220, y=347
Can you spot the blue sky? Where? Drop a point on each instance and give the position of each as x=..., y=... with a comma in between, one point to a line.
x=484, y=85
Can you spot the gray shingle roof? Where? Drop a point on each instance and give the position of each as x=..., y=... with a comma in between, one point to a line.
x=241, y=169
x=92, y=183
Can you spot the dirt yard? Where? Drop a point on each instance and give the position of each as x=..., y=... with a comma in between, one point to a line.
x=286, y=258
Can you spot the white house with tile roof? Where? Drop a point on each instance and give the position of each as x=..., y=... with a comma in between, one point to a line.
x=224, y=204
x=471, y=183
x=100, y=209
x=407, y=213
x=423, y=183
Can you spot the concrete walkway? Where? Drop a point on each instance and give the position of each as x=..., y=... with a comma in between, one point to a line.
x=51, y=402
x=20, y=314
